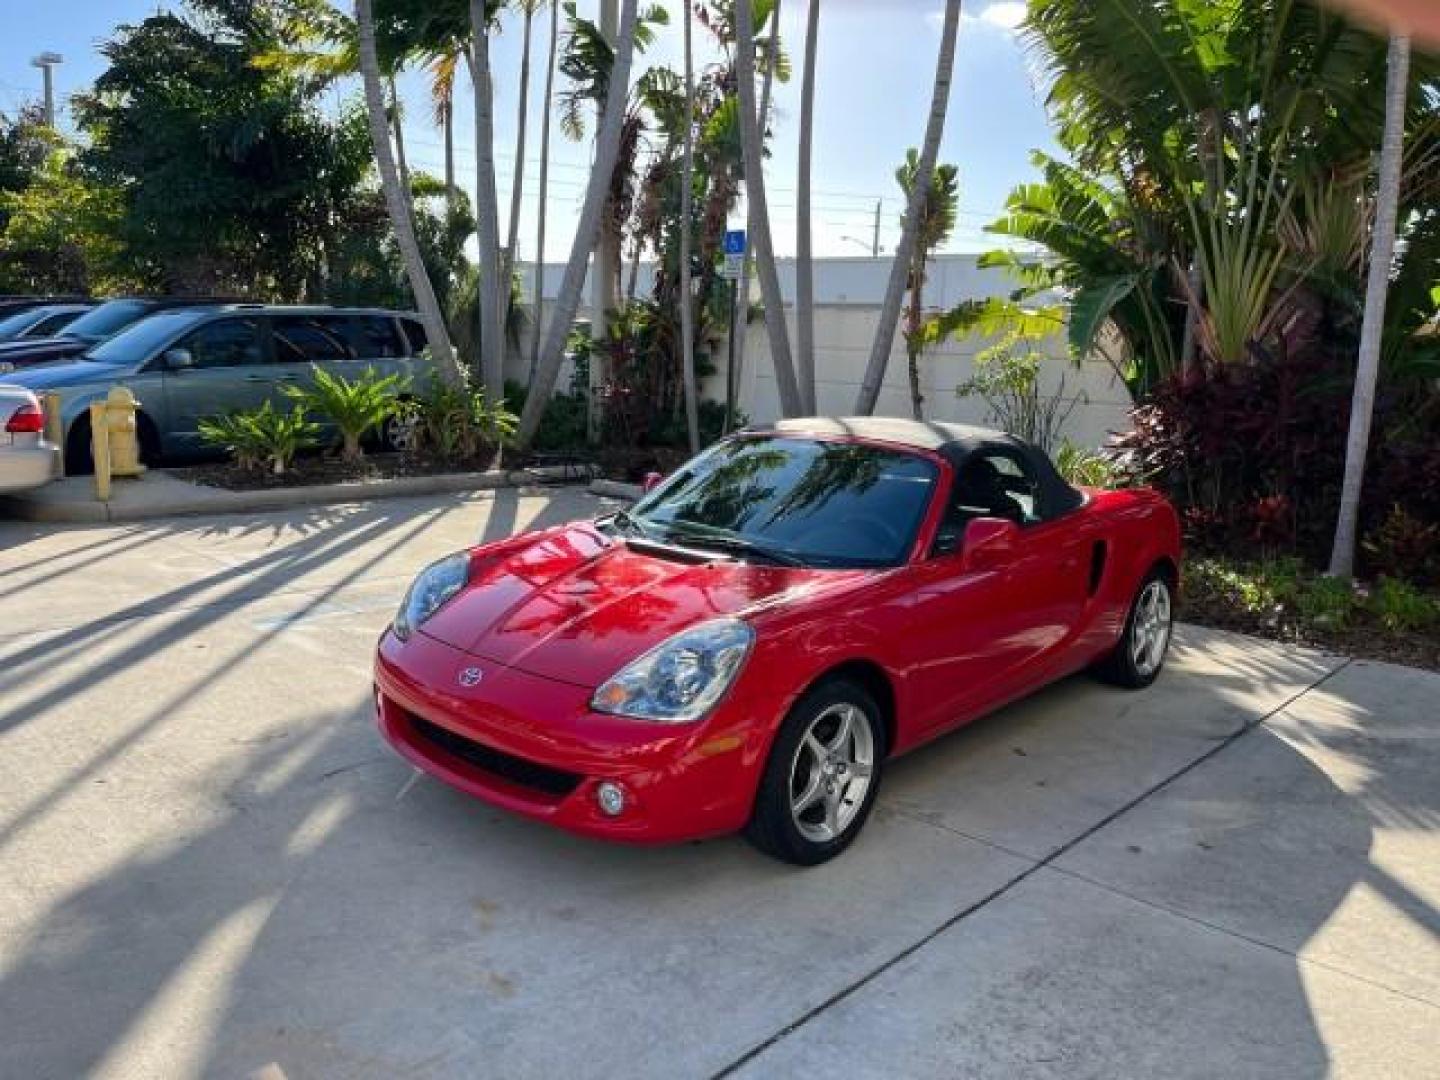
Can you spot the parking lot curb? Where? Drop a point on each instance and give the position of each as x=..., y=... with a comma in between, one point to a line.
x=161, y=495
x=616, y=489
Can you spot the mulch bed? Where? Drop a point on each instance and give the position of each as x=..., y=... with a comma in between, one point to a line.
x=1360, y=638
x=314, y=470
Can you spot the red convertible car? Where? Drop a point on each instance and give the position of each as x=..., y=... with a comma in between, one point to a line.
x=749, y=644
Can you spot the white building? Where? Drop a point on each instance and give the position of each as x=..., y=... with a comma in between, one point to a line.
x=848, y=294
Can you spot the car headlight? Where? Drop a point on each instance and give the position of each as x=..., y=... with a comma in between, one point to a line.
x=680, y=679
x=430, y=590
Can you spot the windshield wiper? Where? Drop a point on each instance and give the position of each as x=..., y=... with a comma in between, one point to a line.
x=630, y=523
x=734, y=544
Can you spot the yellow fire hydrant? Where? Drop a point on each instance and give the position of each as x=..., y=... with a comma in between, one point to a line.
x=114, y=439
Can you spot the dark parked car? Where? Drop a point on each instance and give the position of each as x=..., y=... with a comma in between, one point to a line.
x=188, y=364
x=13, y=305
x=90, y=329
x=45, y=321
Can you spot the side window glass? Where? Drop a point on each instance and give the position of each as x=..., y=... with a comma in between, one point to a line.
x=227, y=343
x=311, y=339
x=992, y=484
x=374, y=337
x=415, y=332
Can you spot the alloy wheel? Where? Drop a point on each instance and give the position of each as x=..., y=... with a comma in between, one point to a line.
x=1151, y=634
x=831, y=772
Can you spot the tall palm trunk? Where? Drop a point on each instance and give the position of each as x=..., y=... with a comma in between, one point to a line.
x=607, y=152
x=913, y=319
x=401, y=160
x=752, y=148
x=804, y=264
x=687, y=301
x=396, y=203
x=517, y=185
x=447, y=118
x=539, y=301
x=747, y=267
x=904, y=254
x=487, y=213
x=1382, y=250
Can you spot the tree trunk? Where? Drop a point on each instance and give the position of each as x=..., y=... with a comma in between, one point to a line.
x=747, y=266
x=517, y=186
x=912, y=332
x=607, y=152
x=804, y=264
x=752, y=144
x=448, y=119
x=687, y=301
x=605, y=284
x=396, y=203
x=487, y=213
x=904, y=253
x=538, y=303
x=401, y=161
x=1382, y=250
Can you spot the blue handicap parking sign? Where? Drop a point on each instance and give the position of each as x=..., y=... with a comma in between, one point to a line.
x=735, y=242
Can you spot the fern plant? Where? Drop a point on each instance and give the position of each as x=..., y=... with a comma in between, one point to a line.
x=262, y=436
x=355, y=406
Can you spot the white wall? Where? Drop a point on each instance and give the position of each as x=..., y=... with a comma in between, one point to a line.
x=848, y=292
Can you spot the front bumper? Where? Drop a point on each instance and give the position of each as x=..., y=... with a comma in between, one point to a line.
x=533, y=746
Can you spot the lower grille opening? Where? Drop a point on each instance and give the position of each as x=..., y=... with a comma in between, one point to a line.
x=542, y=778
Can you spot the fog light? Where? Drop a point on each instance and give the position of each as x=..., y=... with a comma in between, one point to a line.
x=611, y=798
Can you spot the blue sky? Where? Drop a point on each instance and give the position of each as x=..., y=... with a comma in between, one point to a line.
x=877, y=61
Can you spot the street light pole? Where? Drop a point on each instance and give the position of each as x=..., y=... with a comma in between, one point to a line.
x=47, y=62
x=875, y=239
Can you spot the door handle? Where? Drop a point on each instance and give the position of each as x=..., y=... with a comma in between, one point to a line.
x=287, y=378
x=256, y=378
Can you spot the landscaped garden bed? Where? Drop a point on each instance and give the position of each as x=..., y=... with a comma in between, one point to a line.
x=315, y=469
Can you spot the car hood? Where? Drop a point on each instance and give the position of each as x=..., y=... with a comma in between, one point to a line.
x=576, y=605
x=55, y=376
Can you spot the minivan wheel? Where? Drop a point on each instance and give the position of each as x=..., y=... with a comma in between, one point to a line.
x=822, y=776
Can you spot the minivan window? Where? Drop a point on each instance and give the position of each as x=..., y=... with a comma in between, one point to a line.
x=415, y=333
x=225, y=343
x=311, y=339
x=373, y=337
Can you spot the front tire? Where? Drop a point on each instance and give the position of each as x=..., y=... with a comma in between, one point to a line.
x=822, y=776
x=1140, y=653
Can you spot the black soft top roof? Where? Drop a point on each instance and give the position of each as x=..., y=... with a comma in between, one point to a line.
x=954, y=442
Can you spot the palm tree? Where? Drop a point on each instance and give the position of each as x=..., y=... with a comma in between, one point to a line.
x=752, y=144
x=607, y=152
x=396, y=201
x=539, y=302
x=487, y=212
x=904, y=253
x=804, y=265
x=936, y=222
x=517, y=186
x=687, y=193
x=1382, y=249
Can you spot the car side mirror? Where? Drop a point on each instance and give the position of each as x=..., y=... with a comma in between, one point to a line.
x=989, y=543
x=652, y=481
x=178, y=359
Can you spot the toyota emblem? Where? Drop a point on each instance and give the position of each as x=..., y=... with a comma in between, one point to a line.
x=471, y=676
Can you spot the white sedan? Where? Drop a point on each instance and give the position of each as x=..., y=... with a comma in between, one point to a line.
x=27, y=458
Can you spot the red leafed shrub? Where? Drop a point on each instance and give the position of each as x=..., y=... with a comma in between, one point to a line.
x=1253, y=455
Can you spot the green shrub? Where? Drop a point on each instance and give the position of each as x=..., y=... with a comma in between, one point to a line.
x=355, y=406
x=262, y=436
x=1326, y=601
x=457, y=423
x=1401, y=607
x=1236, y=586
x=1405, y=547
x=1086, y=468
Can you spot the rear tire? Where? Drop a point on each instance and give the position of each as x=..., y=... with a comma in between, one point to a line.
x=78, y=460
x=822, y=776
x=1139, y=655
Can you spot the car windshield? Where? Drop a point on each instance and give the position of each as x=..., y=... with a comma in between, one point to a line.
x=18, y=324
x=138, y=341
x=793, y=500
x=109, y=317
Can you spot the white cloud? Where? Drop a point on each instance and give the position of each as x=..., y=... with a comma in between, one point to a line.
x=1003, y=15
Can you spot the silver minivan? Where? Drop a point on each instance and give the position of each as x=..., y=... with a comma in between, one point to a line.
x=189, y=363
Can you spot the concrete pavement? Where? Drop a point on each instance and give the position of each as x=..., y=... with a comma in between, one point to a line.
x=210, y=865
